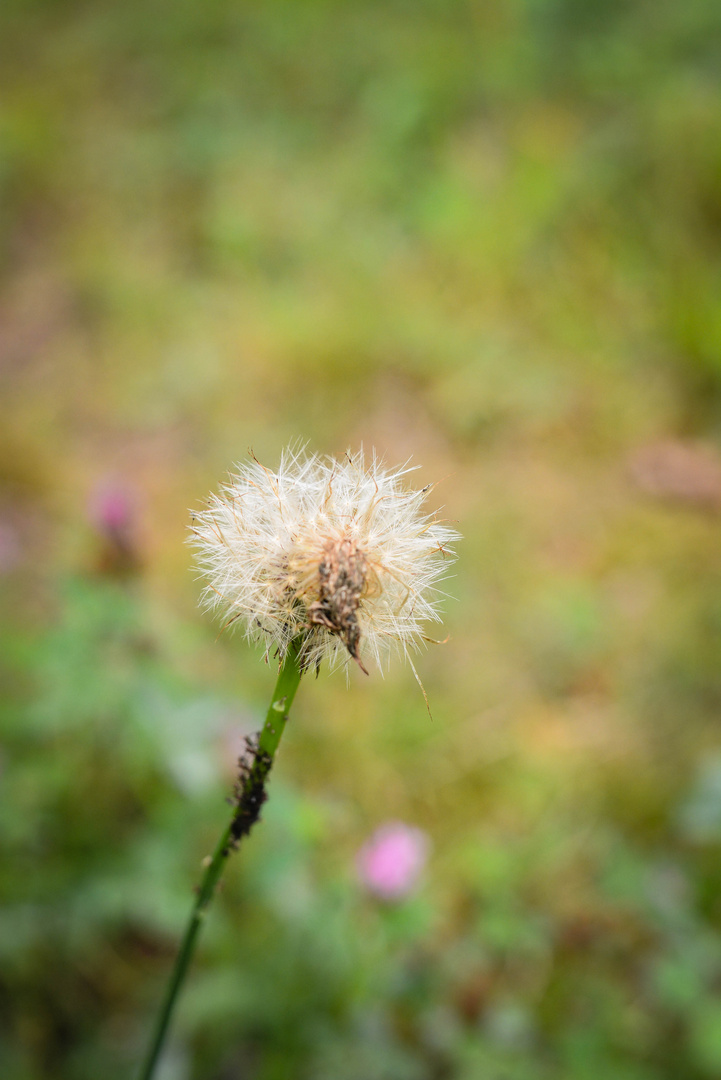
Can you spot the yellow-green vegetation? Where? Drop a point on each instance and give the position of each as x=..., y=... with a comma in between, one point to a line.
x=485, y=234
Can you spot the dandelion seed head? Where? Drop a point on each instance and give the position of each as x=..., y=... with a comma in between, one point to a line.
x=339, y=551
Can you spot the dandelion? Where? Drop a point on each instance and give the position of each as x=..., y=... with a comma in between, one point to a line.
x=321, y=560
x=339, y=553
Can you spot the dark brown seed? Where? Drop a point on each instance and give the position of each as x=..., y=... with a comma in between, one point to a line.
x=342, y=576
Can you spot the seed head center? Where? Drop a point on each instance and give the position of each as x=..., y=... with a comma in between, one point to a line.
x=342, y=574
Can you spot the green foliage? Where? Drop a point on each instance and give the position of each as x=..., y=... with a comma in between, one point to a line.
x=557, y=945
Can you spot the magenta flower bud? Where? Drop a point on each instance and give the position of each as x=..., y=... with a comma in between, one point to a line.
x=111, y=508
x=392, y=861
x=11, y=552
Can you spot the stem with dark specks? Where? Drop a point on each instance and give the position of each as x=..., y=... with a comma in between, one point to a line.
x=240, y=824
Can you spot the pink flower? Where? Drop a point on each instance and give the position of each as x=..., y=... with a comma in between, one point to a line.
x=391, y=863
x=11, y=552
x=111, y=508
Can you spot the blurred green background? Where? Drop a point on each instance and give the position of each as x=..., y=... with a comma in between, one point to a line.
x=484, y=234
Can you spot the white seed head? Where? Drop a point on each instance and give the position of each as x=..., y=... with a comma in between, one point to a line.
x=339, y=552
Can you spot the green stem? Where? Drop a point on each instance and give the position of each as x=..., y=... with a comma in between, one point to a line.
x=240, y=824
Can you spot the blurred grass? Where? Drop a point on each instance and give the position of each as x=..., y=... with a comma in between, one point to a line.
x=486, y=235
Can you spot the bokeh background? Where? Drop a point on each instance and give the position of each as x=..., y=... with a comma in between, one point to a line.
x=481, y=234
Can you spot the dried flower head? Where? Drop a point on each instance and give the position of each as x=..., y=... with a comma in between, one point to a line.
x=340, y=552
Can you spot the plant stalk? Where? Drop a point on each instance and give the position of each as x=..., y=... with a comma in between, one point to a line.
x=250, y=796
